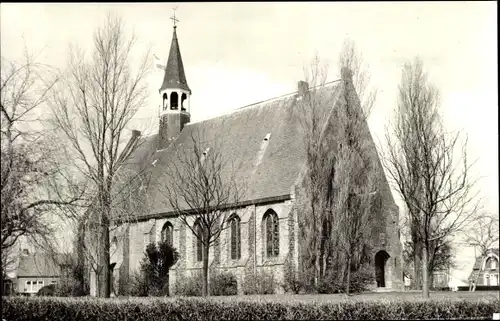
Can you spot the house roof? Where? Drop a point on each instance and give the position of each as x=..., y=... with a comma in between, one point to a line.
x=175, y=78
x=479, y=260
x=39, y=264
x=263, y=173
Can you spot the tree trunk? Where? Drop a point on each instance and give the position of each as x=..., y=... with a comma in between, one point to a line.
x=320, y=260
x=1, y=281
x=324, y=264
x=167, y=284
x=348, y=282
x=417, y=267
x=425, y=273
x=316, y=268
x=476, y=278
x=104, y=275
x=103, y=251
x=206, y=289
x=80, y=255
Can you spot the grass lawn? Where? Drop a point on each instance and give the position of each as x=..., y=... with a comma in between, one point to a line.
x=487, y=296
x=391, y=296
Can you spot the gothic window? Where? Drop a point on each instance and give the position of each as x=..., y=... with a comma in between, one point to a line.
x=167, y=233
x=114, y=242
x=165, y=101
x=234, y=223
x=491, y=263
x=271, y=226
x=174, y=101
x=199, y=244
x=183, y=98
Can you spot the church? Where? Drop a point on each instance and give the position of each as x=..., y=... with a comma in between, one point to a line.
x=269, y=144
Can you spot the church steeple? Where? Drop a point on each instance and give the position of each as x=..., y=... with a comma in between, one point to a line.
x=174, y=77
x=175, y=95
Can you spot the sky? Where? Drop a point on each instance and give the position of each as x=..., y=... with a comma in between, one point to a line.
x=237, y=54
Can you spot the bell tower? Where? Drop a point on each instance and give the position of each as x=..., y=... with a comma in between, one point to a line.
x=175, y=95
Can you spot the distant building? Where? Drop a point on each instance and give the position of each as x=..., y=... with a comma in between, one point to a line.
x=440, y=279
x=36, y=271
x=444, y=280
x=8, y=286
x=485, y=270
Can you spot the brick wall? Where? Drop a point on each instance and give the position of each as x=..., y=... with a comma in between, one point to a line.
x=252, y=244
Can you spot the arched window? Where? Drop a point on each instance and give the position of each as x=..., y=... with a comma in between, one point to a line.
x=167, y=233
x=165, y=101
x=491, y=263
x=234, y=223
x=174, y=101
x=199, y=244
x=183, y=98
x=271, y=226
x=113, y=246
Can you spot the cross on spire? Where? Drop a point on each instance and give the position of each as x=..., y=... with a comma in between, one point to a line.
x=174, y=19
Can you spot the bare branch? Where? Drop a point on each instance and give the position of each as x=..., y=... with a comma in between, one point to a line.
x=201, y=189
x=421, y=160
x=92, y=106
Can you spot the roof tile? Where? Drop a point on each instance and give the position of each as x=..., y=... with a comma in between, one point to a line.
x=239, y=136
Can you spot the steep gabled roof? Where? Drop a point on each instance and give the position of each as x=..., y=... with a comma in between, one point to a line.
x=39, y=264
x=174, y=77
x=480, y=260
x=262, y=174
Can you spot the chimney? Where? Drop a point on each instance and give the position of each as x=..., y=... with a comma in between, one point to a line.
x=136, y=133
x=302, y=88
x=26, y=252
x=346, y=74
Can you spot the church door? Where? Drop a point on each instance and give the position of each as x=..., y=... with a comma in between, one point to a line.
x=381, y=259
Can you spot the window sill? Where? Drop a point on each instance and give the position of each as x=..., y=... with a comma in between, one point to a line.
x=277, y=260
x=236, y=263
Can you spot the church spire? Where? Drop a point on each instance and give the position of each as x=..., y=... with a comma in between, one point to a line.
x=174, y=77
x=175, y=94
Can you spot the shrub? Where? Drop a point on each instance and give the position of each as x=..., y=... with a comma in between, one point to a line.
x=68, y=286
x=260, y=283
x=155, y=266
x=136, y=286
x=333, y=283
x=189, y=285
x=223, y=283
x=56, y=309
x=294, y=281
x=48, y=290
x=220, y=284
x=361, y=281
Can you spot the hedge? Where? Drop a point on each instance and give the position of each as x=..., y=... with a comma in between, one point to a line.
x=53, y=308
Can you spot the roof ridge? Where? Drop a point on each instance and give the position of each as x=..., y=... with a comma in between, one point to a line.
x=282, y=96
x=233, y=111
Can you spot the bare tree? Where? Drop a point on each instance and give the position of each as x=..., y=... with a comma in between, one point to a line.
x=35, y=184
x=352, y=59
x=420, y=158
x=356, y=176
x=315, y=233
x=341, y=175
x=441, y=254
x=482, y=233
x=9, y=260
x=92, y=109
x=201, y=188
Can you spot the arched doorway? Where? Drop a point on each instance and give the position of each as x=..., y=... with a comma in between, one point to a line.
x=381, y=259
x=112, y=279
